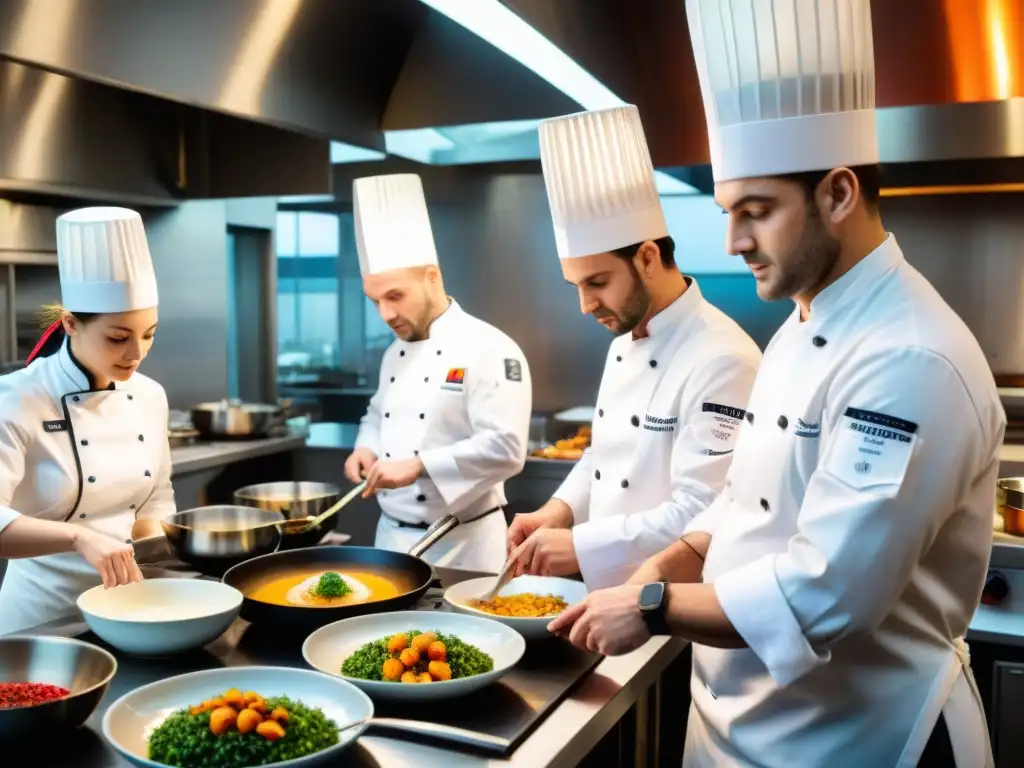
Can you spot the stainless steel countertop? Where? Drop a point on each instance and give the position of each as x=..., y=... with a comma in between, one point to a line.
x=203, y=455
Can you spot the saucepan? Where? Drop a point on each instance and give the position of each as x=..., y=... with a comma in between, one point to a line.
x=214, y=538
x=296, y=501
x=233, y=419
x=276, y=587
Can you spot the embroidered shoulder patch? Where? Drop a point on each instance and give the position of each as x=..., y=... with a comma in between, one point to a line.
x=455, y=380
x=871, y=449
x=513, y=369
x=715, y=428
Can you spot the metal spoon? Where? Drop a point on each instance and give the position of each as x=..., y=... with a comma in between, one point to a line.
x=333, y=510
x=507, y=572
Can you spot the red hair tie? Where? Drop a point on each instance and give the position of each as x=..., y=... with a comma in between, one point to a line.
x=42, y=341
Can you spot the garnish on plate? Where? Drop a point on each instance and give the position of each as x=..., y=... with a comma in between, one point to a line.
x=238, y=729
x=331, y=585
x=417, y=657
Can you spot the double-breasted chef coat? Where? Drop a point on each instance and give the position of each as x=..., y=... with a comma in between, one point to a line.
x=460, y=400
x=851, y=545
x=93, y=458
x=668, y=410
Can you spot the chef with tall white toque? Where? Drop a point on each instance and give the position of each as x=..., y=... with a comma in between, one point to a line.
x=676, y=378
x=450, y=420
x=84, y=456
x=847, y=555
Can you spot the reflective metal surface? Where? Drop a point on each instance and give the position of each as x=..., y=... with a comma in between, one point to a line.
x=223, y=533
x=295, y=500
x=322, y=66
x=82, y=668
x=230, y=418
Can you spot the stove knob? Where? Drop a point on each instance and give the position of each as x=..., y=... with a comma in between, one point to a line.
x=996, y=589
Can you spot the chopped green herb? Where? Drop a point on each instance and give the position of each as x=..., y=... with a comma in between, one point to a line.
x=331, y=585
x=185, y=740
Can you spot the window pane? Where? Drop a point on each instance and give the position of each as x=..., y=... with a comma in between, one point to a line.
x=318, y=234
x=286, y=235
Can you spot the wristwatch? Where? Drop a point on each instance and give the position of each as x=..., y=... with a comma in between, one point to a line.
x=652, y=603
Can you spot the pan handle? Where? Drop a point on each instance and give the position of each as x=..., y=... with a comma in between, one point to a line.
x=434, y=534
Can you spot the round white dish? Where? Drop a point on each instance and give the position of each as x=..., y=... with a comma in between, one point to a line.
x=459, y=595
x=328, y=647
x=158, y=617
x=130, y=720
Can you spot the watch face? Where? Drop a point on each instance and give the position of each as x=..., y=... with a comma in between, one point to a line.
x=650, y=596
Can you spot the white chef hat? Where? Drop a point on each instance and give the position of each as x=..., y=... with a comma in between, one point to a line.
x=104, y=261
x=600, y=182
x=392, y=224
x=788, y=85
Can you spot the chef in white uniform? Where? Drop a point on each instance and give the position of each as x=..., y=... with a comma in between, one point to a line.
x=84, y=454
x=450, y=420
x=849, y=550
x=676, y=379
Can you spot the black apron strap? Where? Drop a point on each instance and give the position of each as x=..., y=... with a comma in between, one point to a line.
x=938, y=752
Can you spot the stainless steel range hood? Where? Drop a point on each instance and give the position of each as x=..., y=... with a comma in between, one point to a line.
x=949, y=73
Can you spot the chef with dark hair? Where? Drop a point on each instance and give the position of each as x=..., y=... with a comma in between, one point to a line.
x=450, y=420
x=84, y=457
x=829, y=588
x=676, y=378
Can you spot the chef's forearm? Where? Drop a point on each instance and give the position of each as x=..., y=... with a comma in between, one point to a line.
x=680, y=563
x=28, y=537
x=695, y=614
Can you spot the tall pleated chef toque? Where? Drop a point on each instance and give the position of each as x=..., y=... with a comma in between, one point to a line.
x=392, y=224
x=104, y=261
x=788, y=85
x=600, y=182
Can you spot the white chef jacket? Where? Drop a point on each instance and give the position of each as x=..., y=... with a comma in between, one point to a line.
x=94, y=458
x=668, y=410
x=851, y=545
x=460, y=400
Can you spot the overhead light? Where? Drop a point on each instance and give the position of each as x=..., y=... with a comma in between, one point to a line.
x=494, y=22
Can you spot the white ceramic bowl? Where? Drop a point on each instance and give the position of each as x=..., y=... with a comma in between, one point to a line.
x=158, y=617
x=130, y=720
x=459, y=595
x=328, y=647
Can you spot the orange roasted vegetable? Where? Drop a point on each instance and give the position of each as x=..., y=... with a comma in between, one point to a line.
x=424, y=677
x=392, y=669
x=397, y=644
x=270, y=730
x=248, y=719
x=421, y=642
x=437, y=651
x=439, y=670
x=410, y=657
x=410, y=677
x=280, y=714
x=222, y=720
x=234, y=698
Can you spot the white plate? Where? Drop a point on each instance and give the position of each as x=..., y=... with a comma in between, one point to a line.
x=160, y=616
x=459, y=595
x=328, y=647
x=130, y=720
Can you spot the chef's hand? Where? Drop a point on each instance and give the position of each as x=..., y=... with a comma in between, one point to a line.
x=113, y=559
x=357, y=466
x=547, y=552
x=608, y=622
x=554, y=514
x=392, y=474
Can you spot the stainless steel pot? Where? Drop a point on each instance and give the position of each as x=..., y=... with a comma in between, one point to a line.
x=296, y=501
x=235, y=419
x=214, y=538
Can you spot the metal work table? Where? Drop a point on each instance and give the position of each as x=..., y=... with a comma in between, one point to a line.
x=575, y=726
x=206, y=455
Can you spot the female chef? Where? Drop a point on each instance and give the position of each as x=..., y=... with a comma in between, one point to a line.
x=83, y=436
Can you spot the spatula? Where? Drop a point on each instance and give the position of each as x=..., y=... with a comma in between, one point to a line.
x=334, y=509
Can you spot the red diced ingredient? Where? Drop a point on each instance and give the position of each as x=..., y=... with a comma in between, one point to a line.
x=14, y=695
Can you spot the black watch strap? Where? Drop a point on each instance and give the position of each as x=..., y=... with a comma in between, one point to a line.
x=653, y=604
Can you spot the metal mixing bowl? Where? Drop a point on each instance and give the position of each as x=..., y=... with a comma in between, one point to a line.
x=297, y=501
x=214, y=538
x=84, y=669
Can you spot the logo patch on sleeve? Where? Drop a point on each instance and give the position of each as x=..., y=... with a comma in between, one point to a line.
x=714, y=429
x=513, y=369
x=455, y=380
x=55, y=426
x=871, y=449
